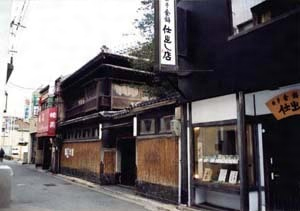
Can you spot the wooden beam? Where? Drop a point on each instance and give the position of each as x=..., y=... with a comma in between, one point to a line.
x=242, y=146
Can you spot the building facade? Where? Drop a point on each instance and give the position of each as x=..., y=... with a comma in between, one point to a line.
x=46, y=128
x=15, y=138
x=242, y=107
x=106, y=83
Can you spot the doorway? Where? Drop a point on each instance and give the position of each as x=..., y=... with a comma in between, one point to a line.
x=128, y=166
x=47, y=151
x=282, y=156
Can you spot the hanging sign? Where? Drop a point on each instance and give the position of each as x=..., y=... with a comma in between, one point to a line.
x=46, y=123
x=285, y=105
x=167, y=32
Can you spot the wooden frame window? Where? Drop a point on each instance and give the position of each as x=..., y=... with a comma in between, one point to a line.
x=165, y=124
x=147, y=126
x=216, y=154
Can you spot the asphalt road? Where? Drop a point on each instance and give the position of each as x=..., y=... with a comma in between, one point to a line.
x=38, y=191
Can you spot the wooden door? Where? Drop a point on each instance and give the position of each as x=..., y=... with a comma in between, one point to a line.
x=128, y=166
x=282, y=156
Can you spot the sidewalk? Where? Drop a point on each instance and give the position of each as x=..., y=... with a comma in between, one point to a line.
x=120, y=192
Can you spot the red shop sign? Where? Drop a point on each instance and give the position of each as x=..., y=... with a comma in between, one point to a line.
x=46, y=125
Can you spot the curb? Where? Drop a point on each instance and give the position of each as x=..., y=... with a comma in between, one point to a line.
x=146, y=203
x=139, y=200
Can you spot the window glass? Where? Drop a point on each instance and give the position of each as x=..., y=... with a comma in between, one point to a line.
x=91, y=90
x=126, y=90
x=147, y=126
x=95, y=132
x=216, y=158
x=102, y=89
x=87, y=132
x=165, y=124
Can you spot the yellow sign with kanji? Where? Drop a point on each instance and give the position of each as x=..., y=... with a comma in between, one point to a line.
x=285, y=105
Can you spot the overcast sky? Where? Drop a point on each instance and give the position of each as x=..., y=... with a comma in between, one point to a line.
x=61, y=36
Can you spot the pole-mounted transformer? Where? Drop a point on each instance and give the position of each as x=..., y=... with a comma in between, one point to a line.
x=10, y=67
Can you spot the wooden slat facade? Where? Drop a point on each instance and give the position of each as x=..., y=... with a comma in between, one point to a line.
x=157, y=161
x=86, y=157
x=109, y=160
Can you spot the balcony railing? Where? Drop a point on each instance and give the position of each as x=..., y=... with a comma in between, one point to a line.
x=92, y=104
x=72, y=112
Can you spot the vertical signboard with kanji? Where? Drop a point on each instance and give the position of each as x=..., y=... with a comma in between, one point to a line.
x=167, y=34
x=26, y=109
x=46, y=125
x=285, y=105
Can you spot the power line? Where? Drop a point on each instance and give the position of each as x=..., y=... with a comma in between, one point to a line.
x=15, y=24
x=22, y=87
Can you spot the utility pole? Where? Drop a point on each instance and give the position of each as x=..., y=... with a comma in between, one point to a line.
x=5, y=108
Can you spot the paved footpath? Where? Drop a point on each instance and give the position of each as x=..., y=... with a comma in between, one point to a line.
x=37, y=191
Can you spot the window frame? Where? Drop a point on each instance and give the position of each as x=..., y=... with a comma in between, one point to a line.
x=153, y=119
x=194, y=163
x=160, y=131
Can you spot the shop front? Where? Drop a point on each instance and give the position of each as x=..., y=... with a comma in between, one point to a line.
x=277, y=114
x=215, y=155
x=46, y=134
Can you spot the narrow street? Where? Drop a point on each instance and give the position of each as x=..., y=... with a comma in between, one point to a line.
x=33, y=190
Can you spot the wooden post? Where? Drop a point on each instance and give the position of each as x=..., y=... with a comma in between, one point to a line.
x=241, y=133
x=97, y=94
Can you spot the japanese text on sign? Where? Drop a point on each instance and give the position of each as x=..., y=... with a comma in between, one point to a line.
x=285, y=105
x=46, y=123
x=167, y=32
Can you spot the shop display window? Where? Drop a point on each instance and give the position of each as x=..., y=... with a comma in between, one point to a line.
x=216, y=155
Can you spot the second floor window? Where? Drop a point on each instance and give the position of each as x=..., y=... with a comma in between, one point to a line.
x=90, y=91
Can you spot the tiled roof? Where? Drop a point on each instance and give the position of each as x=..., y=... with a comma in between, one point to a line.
x=145, y=105
x=130, y=111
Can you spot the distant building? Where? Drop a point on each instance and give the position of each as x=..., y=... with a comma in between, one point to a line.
x=15, y=137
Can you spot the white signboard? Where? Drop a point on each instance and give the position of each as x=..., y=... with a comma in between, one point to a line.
x=69, y=152
x=167, y=32
x=233, y=177
x=222, y=175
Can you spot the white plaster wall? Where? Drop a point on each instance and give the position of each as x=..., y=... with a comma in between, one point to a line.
x=249, y=106
x=214, y=109
x=262, y=97
x=253, y=201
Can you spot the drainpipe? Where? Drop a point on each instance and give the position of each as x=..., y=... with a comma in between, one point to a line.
x=188, y=130
x=179, y=167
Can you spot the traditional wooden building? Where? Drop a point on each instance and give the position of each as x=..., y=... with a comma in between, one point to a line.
x=144, y=152
x=238, y=72
x=106, y=83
